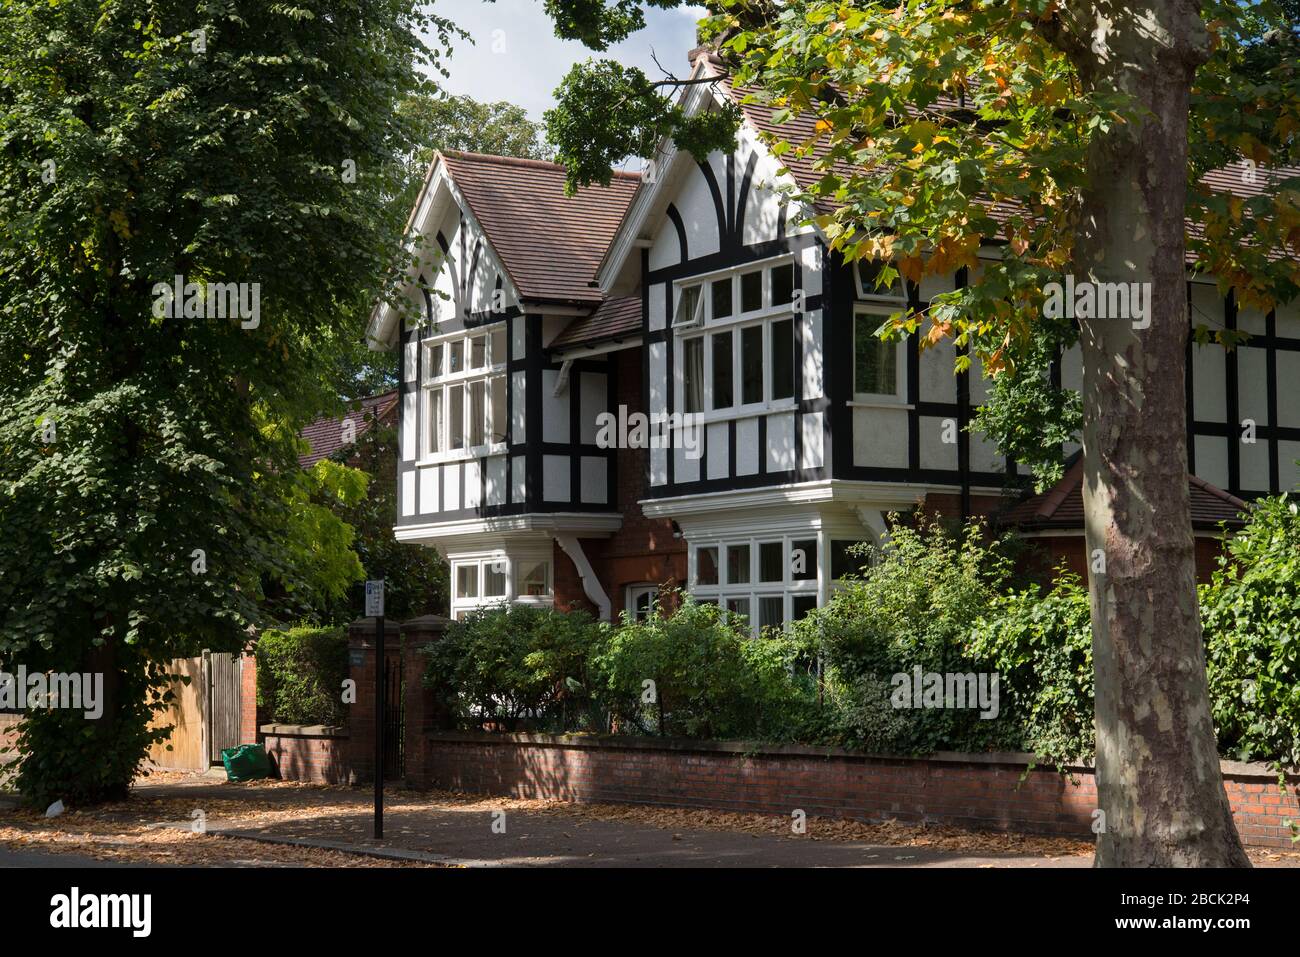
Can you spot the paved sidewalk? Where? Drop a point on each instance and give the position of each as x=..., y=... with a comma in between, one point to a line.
x=458, y=830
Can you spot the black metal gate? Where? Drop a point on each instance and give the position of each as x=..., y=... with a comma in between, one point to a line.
x=394, y=720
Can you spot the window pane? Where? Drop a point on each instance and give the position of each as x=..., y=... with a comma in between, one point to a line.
x=494, y=579
x=721, y=291
x=771, y=611
x=800, y=605
x=751, y=364
x=869, y=275
x=477, y=412
x=500, y=421
x=688, y=303
x=751, y=291
x=737, y=564
x=770, y=565
x=456, y=356
x=456, y=417
x=723, y=391
x=435, y=420
x=706, y=566
x=738, y=606
x=693, y=375
x=842, y=563
x=875, y=371
x=532, y=579
x=783, y=359
x=782, y=284
x=466, y=581
x=478, y=352
x=803, y=560
x=435, y=361
x=500, y=352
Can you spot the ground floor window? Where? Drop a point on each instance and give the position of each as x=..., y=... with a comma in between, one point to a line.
x=492, y=579
x=768, y=581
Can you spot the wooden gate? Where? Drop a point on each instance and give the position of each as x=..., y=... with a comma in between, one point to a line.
x=223, y=703
x=204, y=714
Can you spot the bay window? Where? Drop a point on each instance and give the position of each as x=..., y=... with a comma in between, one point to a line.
x=767, y=580
x=464, y=393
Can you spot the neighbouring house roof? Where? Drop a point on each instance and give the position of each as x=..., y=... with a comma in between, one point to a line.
x=1061, y=506
x=325, y=435
x=615, y=319
x=550, y=244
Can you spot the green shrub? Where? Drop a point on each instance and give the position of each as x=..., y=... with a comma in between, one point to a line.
x=1251, y=615
x=710, y=679
x=517, y=666
x=300, y=674
x=914, y=605
x=1041, y=645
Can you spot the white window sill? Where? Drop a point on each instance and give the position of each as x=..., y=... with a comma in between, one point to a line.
x=881, y=403
x=463, y=455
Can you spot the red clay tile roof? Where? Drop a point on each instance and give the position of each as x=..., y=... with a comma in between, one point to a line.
x=549, y=243
x=325, y=435
x=615, y=319
x=1061, y=507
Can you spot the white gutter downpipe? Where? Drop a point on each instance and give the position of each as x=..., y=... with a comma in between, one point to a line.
x=590, y=583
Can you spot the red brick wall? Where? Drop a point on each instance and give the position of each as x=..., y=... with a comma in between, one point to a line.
x=317, y=758
x=968, y=791
x=644, y=549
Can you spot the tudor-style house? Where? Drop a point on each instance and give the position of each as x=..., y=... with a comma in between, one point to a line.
x=699, y=292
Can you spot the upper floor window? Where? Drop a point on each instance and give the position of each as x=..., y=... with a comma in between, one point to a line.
x=873, y=282
x=743, y=357
x=464, y=391
x=876, y=362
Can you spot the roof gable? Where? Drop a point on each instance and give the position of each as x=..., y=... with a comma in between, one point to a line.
x=550, y=244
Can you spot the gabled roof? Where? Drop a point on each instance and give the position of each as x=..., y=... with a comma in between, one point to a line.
x=1061, y=506
x=325, y=435
x=550, y=244
x=615, y=319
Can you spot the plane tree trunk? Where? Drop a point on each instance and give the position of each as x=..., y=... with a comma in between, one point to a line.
x=1159, y=781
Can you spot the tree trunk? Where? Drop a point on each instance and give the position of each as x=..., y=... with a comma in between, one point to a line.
x=1159, y=781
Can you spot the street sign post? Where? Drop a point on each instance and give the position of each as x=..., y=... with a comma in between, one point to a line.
x=375, y=609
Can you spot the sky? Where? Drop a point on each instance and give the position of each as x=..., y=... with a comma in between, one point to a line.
x=515, y=55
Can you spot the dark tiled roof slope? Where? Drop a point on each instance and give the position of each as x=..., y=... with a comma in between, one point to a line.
x=615, y=319
x=325, y=434
x=1061, y=507
x=549, y=243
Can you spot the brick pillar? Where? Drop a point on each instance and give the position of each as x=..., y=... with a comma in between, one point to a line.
x=361, y=713
x=248, y=726
x=423, y=714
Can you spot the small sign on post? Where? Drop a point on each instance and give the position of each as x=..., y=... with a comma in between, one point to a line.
x=375, y=599
x=375, y=609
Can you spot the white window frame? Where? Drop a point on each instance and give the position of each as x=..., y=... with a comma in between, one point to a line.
x=494, y=371
x=704, y=326
x=754, y=590
x=509, y=566
x=871, y=293
x=637, y=591
x=899, y=396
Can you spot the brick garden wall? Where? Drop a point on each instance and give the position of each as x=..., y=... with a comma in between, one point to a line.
x=973, y=791
x=308, y=754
